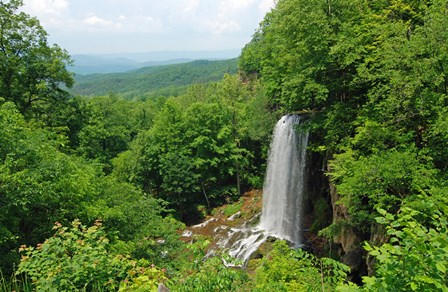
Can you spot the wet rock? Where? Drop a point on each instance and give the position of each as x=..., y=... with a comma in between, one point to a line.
x=234, y=216
x=187, y=233
x=162, y=288
x=352, y=254
x=220, y=228
x=204, y=224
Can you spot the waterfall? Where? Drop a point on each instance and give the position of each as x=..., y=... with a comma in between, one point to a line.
x=283, y=192
x=284, y=187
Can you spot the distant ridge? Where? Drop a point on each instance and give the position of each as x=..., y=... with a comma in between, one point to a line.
x=122, y=62
x=163, y=80
x=142, y=57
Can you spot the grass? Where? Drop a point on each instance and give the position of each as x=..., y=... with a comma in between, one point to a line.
x=15, y=283
x=233, y=208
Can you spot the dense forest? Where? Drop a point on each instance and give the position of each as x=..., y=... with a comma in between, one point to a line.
x=95, y=190
x=154, y=81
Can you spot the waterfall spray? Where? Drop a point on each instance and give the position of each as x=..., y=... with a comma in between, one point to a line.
x=283, y=192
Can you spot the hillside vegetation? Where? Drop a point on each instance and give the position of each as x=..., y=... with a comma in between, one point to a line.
x=163, y=80
x=375, y=75
x=95, y=190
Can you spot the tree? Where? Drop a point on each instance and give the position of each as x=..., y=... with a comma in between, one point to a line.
x=32, y=73
x=39, y=183
x=111, y=123
x=188, y=157
x=234, y=94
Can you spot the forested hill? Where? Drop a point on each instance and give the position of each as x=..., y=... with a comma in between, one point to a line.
x=165, y=80
x=96, y=191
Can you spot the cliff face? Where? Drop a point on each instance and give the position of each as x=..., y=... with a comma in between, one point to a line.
x=325, y=209
x=350, y=251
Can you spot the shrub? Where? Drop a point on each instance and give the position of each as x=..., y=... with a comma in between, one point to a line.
x=286, y=269
x=75, y=258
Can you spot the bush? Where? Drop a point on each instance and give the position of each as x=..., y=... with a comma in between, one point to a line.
x=286, y=269
x=416, y=256
x=75, y=258
x=213, y=276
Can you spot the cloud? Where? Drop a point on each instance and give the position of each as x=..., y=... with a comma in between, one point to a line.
x=219, y=26
x=50, y=12
x=123, y=24
x=191, y=5
x=155, y=21
x=142, y=24
x=218, y=16
x=212, y=16
x=98, y=22
x=266, y=5
x=233, y=5
x=47, y=7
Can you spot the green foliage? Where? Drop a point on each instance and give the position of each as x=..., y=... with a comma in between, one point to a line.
x=321, y=211
x=198, y=249
x=111, y=123
x=143, y=278
x=233, y=208
x=374, y=73
x=356, y=59
x=293, y=52
x=416, y=256
x=141, y=224
x=196, y=150
x=155, y=79
x=213, y=276
x=381, y=180
x=15, y=283
x=75, y=258
x=32, y=71
x=204, y=146
x=79, y=258
x=285, y=269
x=40, y=184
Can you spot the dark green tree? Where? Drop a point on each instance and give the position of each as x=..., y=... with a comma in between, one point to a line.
x=39, y=183
x=190, y=156
x=111, y=123
x=32, y=72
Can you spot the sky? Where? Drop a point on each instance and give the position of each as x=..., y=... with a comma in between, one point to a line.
x=127, y=26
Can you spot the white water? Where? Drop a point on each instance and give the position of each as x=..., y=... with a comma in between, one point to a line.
x=283, y=193
x=284, y=187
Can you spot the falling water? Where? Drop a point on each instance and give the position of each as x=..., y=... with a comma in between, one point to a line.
x=283, y=192
x=284, y=186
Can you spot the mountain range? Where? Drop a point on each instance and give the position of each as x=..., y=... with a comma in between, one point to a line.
x=122, y=62
x=162, y=80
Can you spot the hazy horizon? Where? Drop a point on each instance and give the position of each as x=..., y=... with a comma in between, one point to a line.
x=122, y=62
x=158, y=55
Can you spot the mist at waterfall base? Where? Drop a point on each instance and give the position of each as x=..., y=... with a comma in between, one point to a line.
x=283, y=193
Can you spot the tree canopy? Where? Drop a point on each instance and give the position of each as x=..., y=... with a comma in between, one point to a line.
x=372, y=78
x=374, y=75
x=32, y=72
